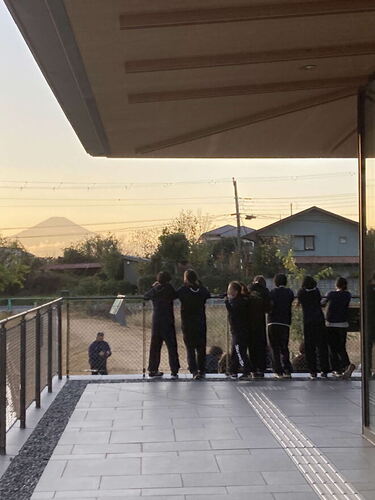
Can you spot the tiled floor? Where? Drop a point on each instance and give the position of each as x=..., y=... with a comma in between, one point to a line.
x=203, y=441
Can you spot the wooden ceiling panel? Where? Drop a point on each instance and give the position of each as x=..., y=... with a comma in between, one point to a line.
x=280, y=137
x=234, y=13
x=230, y=38
x=283, y=72
x=177, y=84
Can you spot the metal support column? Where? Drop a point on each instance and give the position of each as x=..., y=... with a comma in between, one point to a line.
x=49, y=353
x=23, y=374
x=38, y=333
x=59, y=341
x=3, y=388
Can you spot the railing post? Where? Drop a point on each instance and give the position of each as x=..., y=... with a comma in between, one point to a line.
x=59, y=341
x=144, y=339
x=38, y=333
x=3, y=391
x=49, y=351
x=23, y=374
x=67, y=349
x=228, y=349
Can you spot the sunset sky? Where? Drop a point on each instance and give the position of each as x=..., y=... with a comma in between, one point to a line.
x=45, y=172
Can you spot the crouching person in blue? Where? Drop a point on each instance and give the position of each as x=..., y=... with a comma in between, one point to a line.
x=162, y=295
x=193, y=298
x=99, y=352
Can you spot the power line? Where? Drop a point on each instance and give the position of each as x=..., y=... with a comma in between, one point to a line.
x=62, y=185
x=214, y=216
x=88, y=205
x=255, y=198
x=120, y=199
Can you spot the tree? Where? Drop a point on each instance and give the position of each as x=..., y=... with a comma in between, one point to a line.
x=142, y=243
x=92, y=249
x=105, y=250
x=267, y=256
x=192, y=226
x=296, y=274
x=14, y=264
x=173, y=249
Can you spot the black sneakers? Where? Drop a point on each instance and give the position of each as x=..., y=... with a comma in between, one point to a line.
x=155, y=374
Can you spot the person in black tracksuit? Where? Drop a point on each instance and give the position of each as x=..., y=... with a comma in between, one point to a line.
x=193, y=298
x=279, y=320
x=313, y=328
x=162, y=295
x=259, y=302
x=337, y=315
x=237, y=306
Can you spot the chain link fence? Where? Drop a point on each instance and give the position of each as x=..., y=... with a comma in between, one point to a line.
x=129, y=334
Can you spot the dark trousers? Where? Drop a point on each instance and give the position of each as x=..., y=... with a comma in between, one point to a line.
x=339, y=358
x=239, y=361
x=278, y=336
x=316, y=346
x=99, y=366
x=155, y=349
x=99, y=372
x=196, y=354
x=257, y=349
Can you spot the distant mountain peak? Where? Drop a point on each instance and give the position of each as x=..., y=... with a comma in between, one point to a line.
x=51, y=236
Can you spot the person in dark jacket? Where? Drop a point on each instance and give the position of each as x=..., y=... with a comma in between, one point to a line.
x=162, y=295
x=279, y=320
x=259, y=302
x=99, y=352
x=337, y=314
x=238, y=315
x=313, y=328
x=193, y=296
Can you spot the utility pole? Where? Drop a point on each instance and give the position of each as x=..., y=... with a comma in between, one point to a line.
x=239, y=242
x=291, y=208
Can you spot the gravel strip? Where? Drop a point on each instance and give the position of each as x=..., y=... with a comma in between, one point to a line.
x=23, y=474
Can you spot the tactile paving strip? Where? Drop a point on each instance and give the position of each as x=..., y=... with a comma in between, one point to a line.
x=326, y=481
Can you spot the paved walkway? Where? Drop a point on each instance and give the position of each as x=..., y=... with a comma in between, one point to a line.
x=213, y=441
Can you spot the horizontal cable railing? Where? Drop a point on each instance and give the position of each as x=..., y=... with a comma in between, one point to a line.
x=30, y=355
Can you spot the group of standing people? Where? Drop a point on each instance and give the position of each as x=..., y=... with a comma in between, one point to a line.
x=193, y=296
x=259, y=322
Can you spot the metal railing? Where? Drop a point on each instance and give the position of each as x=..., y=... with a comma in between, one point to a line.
x=129, y=338
x=30, y=355
x=54, y=338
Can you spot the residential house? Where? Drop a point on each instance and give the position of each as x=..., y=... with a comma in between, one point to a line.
x=227, y=231
x=131, y=265
x=319, y=239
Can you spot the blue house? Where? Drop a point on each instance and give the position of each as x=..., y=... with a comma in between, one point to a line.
x=318, y=238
